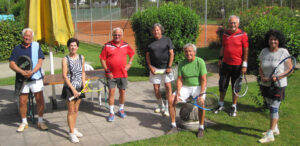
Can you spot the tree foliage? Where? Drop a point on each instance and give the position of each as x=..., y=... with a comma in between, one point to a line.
x=181, y=25
x=258, y=20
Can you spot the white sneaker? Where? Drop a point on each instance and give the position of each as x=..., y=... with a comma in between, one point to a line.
x=158, y=109
x=163, y=108
x=22, y=127
x=73, y=138
x=269, y=137
x=166, y=113
x=275, y=132
x=219, y=109
x=77, y=133
x=233, y=112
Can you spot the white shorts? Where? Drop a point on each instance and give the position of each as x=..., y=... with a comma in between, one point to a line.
x=35, y=86
x=161, y=76
x=187, y=91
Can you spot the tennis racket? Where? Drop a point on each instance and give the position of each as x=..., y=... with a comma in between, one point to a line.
x=211, y=101
x=240, y=86
x=25, y=63
x=283, y=69
x=87, y=88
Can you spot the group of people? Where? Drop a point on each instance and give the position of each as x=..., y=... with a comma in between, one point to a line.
x=191, y=79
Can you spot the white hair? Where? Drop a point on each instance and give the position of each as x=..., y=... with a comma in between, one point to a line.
x=27, y=29
x=116, y=29
x=190, y=45
x=234, y=16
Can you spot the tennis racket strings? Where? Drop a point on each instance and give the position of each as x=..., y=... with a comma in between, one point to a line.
x=211, y=101
x=240, y=86
x=87, y=88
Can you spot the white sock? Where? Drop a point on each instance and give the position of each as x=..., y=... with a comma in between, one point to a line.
x=201, y=126
x=24, y=120
x=111, y=109
x=221, y=103
x=270, y=132
x=234, y=105
x=121, y=106
x=173, y=124
x=276, y=128
x=167, y=105
x=40, y=119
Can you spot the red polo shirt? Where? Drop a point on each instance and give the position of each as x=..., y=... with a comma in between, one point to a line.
x=233, y=44
x=116, y=58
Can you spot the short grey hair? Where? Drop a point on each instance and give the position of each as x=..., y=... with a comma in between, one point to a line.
x=190, y=45
x=160, y=26
x=116, y=29
x=234, y=16
x=27, y=29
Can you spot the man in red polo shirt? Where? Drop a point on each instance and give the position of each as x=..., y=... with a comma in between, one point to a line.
x=232, y=61
x=114, y=61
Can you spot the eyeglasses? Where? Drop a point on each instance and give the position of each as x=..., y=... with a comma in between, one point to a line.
x=117, y=35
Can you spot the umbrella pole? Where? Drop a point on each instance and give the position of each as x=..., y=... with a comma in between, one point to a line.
x=53, y=98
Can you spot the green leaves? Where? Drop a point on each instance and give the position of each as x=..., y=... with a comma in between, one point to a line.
x=10, y=36
x=181, y=25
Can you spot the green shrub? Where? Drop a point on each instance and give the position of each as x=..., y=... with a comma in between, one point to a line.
x=181, y=25
x=258, y=20
x=258, y=27
x=10, y=36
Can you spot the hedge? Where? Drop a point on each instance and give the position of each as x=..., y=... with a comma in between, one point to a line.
x=181, y=25
x=258, y=20
x=10, y=36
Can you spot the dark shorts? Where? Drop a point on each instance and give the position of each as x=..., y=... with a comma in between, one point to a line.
x=67, y=93
x=276, y=93
x=120, y=82
x=226, y=73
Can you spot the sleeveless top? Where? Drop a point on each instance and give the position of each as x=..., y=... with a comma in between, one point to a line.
x=75, y=71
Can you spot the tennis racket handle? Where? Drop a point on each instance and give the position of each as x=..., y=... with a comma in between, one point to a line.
x=71, y=98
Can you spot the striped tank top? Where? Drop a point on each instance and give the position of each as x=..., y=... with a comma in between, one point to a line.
x=75, y=71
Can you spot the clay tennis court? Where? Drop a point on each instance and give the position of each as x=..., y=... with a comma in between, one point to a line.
x=101, y=30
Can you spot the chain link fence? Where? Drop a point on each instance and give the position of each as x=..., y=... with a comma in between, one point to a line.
x=94, y=19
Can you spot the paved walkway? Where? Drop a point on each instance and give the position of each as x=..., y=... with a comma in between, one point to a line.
x=141, y=123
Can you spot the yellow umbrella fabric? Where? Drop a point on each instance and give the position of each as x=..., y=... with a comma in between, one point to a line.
x=51, y=20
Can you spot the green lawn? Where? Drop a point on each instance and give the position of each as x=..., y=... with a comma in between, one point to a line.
x=246, y=128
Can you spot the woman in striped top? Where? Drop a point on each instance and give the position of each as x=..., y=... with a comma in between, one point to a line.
x=74, y=78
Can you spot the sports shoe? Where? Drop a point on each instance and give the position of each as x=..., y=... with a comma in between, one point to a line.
x=200, y=133
x=172, y=130
x=233, y=112
x=166, y=113
x=77, y=133
x=275, y=132
x=111, y=117
x=219, y=109
x=22, y=127
x=158, y=109
x=269, y=137
x=73, y=138
x=121, y=113
x=42, y=126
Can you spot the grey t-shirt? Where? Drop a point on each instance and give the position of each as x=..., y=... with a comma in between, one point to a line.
x=159, y=52
x=269, y=60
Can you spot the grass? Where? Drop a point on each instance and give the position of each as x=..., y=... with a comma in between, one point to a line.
x=246, y=128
